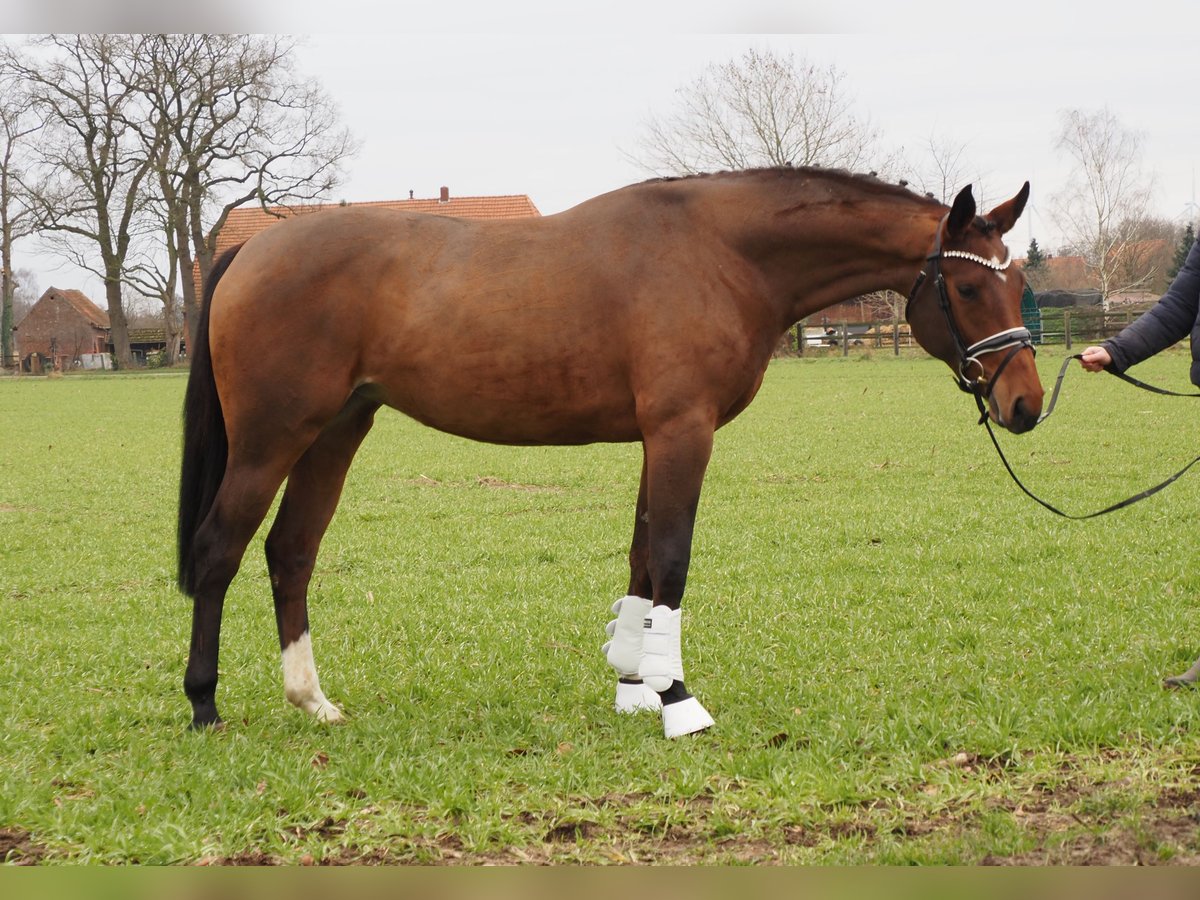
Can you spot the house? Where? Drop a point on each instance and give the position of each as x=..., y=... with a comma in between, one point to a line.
x=1142, y=263
x=1066, y=273
x=146, y=344
x=246, y=221
x=63, y=330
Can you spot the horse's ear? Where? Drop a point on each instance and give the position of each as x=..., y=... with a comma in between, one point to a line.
x=962, y=213
x=1006, y=214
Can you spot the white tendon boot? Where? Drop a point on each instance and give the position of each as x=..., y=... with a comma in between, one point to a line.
x=624, y=653
x=662, y=666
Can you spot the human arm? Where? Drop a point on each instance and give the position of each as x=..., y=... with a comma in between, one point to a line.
x=1168, y=321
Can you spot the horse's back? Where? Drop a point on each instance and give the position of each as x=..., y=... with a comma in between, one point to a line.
x=498, y=331
x=566, y=329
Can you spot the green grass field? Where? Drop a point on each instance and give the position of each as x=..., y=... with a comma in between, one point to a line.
x=908, y=660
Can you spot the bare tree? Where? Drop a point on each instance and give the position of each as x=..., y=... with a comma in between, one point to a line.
x=1151, y=250
x=153, y=266
x=17, y=219
x=83, y=86
x=25, y=293
x=885, y=305
x=153, y=270
x=241, y=126
x=760, y=110
x=1106, y=200
x=941, y=173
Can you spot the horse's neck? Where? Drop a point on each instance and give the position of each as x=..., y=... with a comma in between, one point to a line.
x=816, y=248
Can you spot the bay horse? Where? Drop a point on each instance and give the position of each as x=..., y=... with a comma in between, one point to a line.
x=645, y=314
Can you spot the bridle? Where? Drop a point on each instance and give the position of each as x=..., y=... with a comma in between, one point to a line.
x=1012, y=339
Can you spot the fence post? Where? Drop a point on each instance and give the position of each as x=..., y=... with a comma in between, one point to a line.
x=845, y=342
x=1067, y=327
x=800, y=338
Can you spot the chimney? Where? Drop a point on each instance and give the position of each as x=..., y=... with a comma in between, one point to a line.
x=445, y=197
x=410, y=195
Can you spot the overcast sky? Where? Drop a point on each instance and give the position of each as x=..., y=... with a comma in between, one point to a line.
x=511, y=109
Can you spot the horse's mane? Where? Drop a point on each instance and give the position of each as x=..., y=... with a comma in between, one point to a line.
x=869, y=181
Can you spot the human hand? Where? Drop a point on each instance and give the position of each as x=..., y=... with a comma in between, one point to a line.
x=1095, y=359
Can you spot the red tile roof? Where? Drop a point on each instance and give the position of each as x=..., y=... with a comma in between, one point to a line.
x=245, y=222
x=1063, y=272
x=82, y=305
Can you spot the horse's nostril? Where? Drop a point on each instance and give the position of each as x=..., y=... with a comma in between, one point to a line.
x=1023, y=418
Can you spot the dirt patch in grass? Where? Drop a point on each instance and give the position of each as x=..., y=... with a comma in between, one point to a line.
x=578, y=842
x=240, y=859
x=18, y=848
x=1158, y=840
x=1066, y=815
x=486, y=481
x=1073, y=824
x=499, y=484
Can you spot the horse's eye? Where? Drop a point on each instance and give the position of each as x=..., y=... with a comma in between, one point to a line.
x=968, y=291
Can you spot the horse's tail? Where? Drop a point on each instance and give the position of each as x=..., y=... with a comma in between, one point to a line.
x=205, y=444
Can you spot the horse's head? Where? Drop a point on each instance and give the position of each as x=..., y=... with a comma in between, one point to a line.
x=965, y=309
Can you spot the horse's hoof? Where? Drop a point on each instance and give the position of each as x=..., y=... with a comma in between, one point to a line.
x=1178, y=682
x=217, y=724
x=330, y=715
x=685, y=717
x=632, y=698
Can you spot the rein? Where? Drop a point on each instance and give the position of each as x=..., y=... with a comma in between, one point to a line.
x=1128, y=501
x=1014, y=340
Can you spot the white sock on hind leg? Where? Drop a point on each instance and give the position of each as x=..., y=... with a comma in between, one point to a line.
x=300, y=684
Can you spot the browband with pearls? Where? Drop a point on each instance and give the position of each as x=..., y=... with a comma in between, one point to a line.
x=992, y=263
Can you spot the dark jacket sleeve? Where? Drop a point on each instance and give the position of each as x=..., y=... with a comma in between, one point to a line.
x=1167, y=322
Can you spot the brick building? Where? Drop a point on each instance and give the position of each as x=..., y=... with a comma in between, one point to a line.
x=61, y=329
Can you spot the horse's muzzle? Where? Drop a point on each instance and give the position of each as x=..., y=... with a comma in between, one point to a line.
x=1023, y=418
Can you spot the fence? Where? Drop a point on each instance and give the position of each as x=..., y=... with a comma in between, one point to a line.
x=844, y=336
x=1070, y=326
x=1067, y=326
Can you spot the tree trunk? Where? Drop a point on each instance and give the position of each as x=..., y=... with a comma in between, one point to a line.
x=170, y=314
x=7, y=354
x=118, y=322
x=170, y=327
x=187, y=283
